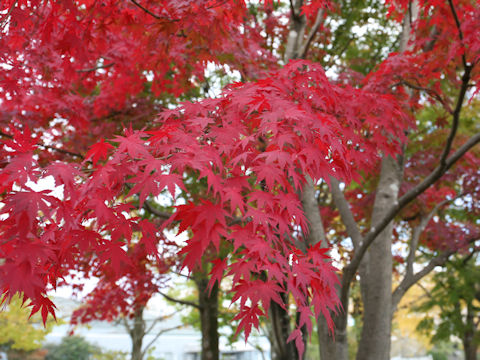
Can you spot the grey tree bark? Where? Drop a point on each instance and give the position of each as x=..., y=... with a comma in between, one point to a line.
x=376, y=269
x=329, y=347
x=376, y=274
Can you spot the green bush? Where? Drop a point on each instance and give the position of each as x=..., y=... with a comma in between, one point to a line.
x=71, y=348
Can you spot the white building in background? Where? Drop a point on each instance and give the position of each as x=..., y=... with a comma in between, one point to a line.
x=179, y=344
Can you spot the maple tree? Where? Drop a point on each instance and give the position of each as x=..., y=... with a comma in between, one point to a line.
x=75, y=72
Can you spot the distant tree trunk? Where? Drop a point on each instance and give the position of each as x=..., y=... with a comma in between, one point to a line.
x=208, y=303
x=137, y=333
x=470, y=345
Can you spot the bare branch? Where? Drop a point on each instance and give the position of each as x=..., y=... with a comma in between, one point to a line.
x=434, y=94
x=61, y=151
x=437, y=173
x=313, y=31
x=160, y=319
x=459, y=28
x=161, y=214
x=292, y=9
x=180, y=301
x=456, y=115
x=410, y=279
x=345, y=212
x=158, y=17
x=417, y=231
x=7, y=15
x=95, y=68
x=160, y=333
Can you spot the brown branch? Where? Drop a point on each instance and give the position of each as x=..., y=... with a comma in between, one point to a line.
x=456, y=114
x=292, y=9
x=160, y=333
x=311, y=34
x=158, y=17
x=161, y=214
x=62, y=151
x=424, y=220
x=430, y=92
x=437, y=173
x=459, y=28
x=180, y=301
x=160, y=319
x=95, y=68
x=410, y=279
x=7, y=15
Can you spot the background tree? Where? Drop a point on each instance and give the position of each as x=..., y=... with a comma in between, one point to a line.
x=18, y=332
x=455, y=299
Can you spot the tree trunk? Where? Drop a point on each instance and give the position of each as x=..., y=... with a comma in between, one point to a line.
x=376, y=274
x=280, y=318
x=208, y=302
x=280, y=328
x=376, y=268
x=469, y=344
x=333, y=347
x=330, y=348
x=137, y=333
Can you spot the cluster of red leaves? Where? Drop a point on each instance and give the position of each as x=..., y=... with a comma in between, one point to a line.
x=88, y=63
x=254, y=145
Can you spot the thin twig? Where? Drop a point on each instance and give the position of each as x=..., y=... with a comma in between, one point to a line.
x=459, y=28
x=158, y=17
x=7, y=15
x=62, y=151
x=430, y=92
x=160, y=333
x=180, y=301
x=456, y=115
x=95, y=68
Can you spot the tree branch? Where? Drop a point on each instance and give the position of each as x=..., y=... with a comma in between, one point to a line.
x=313, y=31
x=430, y=92
x=61, y=151
x=410, y=279
x=158, y=17
x=292, y=9
x=180, y=301
x=7, y=15
x=160, y=333
x=159, y=319
x=161, y=214
x=419, y=229
x=459, y=28
x=95, y=68
x=436, y=174
x=345, y=212
x=456, y=114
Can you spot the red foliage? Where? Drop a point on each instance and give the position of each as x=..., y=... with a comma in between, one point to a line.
x=74, y=71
